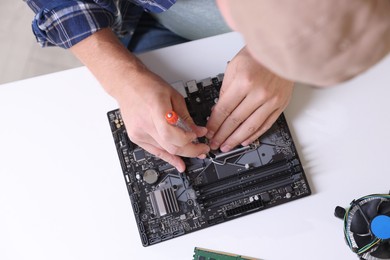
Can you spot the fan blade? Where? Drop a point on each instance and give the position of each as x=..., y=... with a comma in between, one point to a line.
x=361, y=220
x=382, y=252
x=362, y=240
x=370, y=208
x=384, y=208
x=359, y=224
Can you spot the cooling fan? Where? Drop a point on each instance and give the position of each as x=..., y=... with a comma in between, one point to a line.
x=367, y=226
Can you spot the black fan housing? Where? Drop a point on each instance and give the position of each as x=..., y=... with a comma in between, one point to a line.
x=367, y=226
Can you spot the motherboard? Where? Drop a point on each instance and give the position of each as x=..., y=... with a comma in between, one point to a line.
x=224, y=186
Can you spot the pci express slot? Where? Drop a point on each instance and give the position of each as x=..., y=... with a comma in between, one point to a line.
x=241, y=192
x=235, y=181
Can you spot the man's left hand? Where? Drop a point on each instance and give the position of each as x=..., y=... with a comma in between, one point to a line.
x=250, y=101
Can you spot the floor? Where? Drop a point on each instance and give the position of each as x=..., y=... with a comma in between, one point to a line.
x=20, y=56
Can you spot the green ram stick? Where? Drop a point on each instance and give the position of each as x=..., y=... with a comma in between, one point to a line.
x=206, y=254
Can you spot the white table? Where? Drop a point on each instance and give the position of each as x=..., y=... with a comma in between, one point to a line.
x=62, y=193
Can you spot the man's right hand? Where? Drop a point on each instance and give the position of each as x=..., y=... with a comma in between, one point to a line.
x=144, y=99
x=143, y=107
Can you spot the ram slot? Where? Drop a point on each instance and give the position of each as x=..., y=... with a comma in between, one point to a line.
x=220, y=200
x=234, y=181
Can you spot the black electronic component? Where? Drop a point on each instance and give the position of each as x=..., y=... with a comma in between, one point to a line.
x=225, y=186
x=139, y=155
x=265, y=197
x=367, y=226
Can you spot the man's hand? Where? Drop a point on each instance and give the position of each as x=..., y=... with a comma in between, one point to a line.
x=251, y=99
x=143, y=108
x=143, y=97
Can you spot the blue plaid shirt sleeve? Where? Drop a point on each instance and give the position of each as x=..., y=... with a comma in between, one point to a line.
x=64, y=23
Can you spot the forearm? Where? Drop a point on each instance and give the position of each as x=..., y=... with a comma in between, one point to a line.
x=109, y=61
x=143, y=98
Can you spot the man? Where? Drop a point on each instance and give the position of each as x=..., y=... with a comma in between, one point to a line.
x=252, y=97
x=316, y=42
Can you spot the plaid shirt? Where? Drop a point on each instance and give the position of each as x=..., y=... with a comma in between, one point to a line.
x=64, y=23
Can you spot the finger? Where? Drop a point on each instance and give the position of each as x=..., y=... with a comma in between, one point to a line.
x=188, y=150
x=166, y=133
x=202, y=156
x=234, y=120
x=173, y=160
x=180, y=107
x=174, y=135
x=228, y=101
x=199, y=130
x=264, y=128
x=248, y=128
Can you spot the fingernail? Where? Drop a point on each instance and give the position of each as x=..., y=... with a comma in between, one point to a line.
x=201, y=128
x=180, y=169
x=214, y=145
x=209, y=134
x=202, y=156
x=226, y=148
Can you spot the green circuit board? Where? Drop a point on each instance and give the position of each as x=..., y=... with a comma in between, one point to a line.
x=206, y=254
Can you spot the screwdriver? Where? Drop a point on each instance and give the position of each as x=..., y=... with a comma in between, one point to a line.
x=174, y=119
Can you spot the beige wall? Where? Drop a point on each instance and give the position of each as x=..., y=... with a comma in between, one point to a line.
x=20, y=56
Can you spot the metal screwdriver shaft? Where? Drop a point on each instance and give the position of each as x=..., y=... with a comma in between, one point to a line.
x=173, y=119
